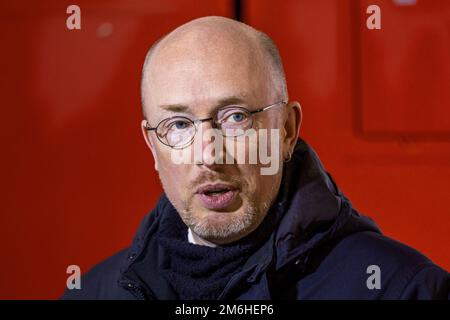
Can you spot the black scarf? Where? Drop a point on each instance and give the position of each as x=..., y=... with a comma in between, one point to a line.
x=202, y=272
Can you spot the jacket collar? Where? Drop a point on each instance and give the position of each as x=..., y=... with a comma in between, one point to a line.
x=317, y=212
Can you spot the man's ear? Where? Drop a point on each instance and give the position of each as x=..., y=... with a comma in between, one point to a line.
x=292, y=125
x=149, y=142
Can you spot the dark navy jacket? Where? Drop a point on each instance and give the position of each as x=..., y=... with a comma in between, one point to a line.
x=321, y=249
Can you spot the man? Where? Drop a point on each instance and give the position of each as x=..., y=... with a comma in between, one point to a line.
x=277, y=228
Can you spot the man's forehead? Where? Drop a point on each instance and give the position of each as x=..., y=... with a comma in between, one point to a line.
x=193, y=79
x=200, y=90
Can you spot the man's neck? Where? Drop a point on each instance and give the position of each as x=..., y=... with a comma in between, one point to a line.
x=195, y=239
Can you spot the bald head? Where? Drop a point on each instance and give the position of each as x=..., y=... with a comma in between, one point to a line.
x=217, y=43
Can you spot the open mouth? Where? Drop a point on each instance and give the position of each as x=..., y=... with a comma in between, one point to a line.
x=217, y=196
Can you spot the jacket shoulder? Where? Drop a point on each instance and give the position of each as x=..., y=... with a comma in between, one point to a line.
x=405, y=272
x=376, y=246
x=101, y=281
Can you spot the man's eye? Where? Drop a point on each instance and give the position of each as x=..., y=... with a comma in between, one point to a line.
x=179, y=125
x=236, y=117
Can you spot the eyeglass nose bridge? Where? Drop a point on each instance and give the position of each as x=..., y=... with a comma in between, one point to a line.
x=198, y=122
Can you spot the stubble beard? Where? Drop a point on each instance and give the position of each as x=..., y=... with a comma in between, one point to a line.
x=222, y=226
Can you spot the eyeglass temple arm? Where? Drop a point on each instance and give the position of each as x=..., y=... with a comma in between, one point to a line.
x=147, y=126
x=268, y=107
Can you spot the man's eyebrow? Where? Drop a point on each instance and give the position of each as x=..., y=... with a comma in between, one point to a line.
x=175, y=107
x=221, y=103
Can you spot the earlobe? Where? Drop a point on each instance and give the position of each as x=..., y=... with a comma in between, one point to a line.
x=148, y=142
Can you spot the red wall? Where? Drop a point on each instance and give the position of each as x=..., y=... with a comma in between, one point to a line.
x=77, y=177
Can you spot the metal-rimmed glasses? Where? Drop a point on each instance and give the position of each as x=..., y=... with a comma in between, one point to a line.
x=178, y=132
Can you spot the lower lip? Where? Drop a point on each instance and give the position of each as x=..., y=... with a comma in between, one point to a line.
x=217, y=202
